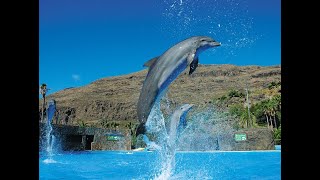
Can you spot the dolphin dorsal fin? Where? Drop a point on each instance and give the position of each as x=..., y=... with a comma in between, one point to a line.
x=150, y=62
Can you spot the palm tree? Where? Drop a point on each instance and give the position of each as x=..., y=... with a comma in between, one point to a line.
x=273, y=114
x=132, y=127
x=247, y=119
x=269, y=113
x=43, y=92
x=266, y=114
x=277, y=107
x=244, y=120
x=272, y=108
x=266, y=111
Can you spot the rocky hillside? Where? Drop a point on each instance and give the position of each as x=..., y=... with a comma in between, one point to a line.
x=115, y=98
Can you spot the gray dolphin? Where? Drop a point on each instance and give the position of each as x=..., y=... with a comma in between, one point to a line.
x=175, y=126
x=165, y=68
x=178, y=121
x=51, y=110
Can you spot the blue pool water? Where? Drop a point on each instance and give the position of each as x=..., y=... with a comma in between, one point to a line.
x=277, y=147
x=141, y=165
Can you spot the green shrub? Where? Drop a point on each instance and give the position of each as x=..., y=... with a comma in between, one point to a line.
x=277, y=135
x=274, y=85
x=223, y=98
x=235, y=93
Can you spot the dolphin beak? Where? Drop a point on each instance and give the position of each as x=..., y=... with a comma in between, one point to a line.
x=190, y=106
x=214, y=43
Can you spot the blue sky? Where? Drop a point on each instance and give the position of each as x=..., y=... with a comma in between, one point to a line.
x=81, y=41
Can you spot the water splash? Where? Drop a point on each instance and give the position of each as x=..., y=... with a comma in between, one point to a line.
x=48, y=161
x=155, y=122
x=165, y=137
x=166, y=104
x=155, y=127
x=51, y=140
x=207, y=130
x=150, y=144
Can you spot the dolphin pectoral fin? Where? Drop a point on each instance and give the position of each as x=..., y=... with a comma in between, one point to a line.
x=193, y=65
x=150, y=62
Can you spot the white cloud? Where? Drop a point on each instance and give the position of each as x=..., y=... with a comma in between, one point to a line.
x=75, y=77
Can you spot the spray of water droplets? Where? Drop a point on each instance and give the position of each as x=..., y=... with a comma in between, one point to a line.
x=207, y=130
x=227, y=21
x=155, y=125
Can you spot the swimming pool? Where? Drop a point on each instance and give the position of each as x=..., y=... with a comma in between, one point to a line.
x=141, y=165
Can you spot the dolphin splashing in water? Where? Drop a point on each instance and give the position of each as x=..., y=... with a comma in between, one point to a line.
x=177, y=122
x=169, y=143
x=164, y=69
x=51, y=110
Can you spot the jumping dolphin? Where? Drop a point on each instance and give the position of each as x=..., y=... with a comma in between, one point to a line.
x=178, y=116
x=174, y=130
x=174, y=127
x=164, y=69
x=51, y=110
